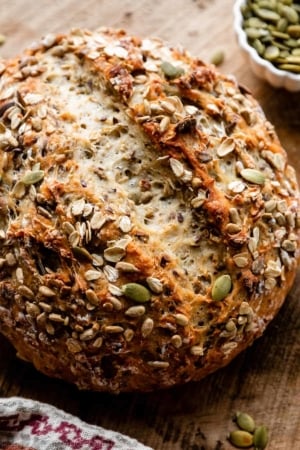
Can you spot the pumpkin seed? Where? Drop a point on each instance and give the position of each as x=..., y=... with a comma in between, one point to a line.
x=293, y=59
x=256, y=33
x=241, y=438
x=290, y=14
x=259, y=46
x=32, y=177
x=253, y=175
x=221, y=287
x=290, y=67
x=282, y=24
x=279, y=34
x=293, y=43
x=136, y=292
x=245, y=422
x=271, y=52
x=294, y=31
x=268, y=14
x=268, y=4
x=82, y=254
x=217, y=58
x=260, y=437
x=255, y=22
x=171, y=71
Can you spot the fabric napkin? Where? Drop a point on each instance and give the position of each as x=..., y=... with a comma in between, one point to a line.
x=31, y=425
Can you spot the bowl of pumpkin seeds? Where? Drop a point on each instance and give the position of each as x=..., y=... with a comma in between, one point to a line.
x=268, y=32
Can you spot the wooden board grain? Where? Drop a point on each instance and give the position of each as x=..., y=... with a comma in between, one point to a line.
x=265, y=379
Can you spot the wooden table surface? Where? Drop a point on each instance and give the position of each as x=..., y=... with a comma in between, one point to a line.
x=265, y=379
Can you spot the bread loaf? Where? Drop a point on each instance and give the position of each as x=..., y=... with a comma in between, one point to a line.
x=149, y=218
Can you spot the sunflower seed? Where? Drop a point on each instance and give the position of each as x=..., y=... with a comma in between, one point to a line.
x=128, y=334
x=176, y=340
x=10, y=259
x=159, y=364
x=181, y=319
x=113, y=329
x=88, y=334
x=26, y=292
x=253, y=175
x=135, y=311
x=164, y=124
x=124, y=266
x=241, y=260
x=270, y=205
x=46, y=292
x=92, y=297
x=197, y=350
x=226, y=147
x=233, y=228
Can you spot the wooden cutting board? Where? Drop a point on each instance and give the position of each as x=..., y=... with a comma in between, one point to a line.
x=265, y=379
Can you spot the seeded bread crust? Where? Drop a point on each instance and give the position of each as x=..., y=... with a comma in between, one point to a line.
x=123, y=160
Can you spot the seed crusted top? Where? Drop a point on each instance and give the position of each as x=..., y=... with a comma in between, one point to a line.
x=149, y=221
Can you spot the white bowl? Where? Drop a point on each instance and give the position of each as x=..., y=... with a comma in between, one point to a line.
x=261, y=67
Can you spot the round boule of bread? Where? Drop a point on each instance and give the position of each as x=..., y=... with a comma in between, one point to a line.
x=149, y=220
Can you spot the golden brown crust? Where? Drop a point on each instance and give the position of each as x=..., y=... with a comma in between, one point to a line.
x=126, y=161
